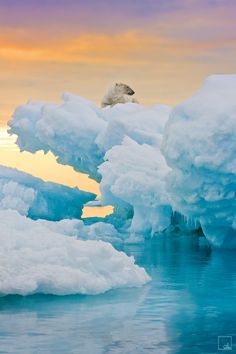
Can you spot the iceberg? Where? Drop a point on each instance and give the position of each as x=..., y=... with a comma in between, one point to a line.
x=83, y=136
x=78, y=133
x=37, y=199
x=36, y=259
x=199, y=146
x=143, y=125
x=160, y=168
x=136, y=173
x=69, y=131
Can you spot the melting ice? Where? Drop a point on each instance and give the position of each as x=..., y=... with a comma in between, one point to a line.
x=161, y=168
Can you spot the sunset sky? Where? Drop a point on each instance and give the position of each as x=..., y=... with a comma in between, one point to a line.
x=163, y=48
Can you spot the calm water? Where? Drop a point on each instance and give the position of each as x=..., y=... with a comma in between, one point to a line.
x=189, y=303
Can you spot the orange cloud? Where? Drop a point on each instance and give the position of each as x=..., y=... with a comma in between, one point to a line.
x=85, y=48
x=126, y=48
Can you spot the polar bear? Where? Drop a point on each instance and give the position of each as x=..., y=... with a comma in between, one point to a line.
x=118, y=93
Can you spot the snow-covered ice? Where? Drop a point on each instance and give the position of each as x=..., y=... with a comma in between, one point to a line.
x=37, y=199
x=200, y=147
x=117, y=135
x=36, y=259
x=136, y=173
x=157, y=166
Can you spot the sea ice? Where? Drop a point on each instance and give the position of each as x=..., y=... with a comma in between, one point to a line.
x=200, y=147
x=158, y=167
x=37, y=199
x=36, y=259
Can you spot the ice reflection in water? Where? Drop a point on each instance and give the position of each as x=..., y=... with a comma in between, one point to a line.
x=189, y=303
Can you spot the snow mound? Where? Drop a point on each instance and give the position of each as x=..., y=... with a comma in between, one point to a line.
x=36, y=259
x=199, y=146
x=35, y=198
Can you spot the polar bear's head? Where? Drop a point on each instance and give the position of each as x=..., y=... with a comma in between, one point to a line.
x=124, y=89
x=118, y=93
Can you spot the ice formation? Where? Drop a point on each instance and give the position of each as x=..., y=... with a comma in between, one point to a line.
x=80, y=134
x=36, y=259
x=157, y=166
x=136, y=174
x=51, y=127
x=200, y=147
x=37, y=199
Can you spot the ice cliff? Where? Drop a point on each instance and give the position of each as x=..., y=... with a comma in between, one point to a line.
x=200, y=147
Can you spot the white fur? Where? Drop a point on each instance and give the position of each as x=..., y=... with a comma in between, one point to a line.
x=118, y=93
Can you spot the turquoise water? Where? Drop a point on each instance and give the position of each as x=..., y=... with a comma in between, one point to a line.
x=190, y=301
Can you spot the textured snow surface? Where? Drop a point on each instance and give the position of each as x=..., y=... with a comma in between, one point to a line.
x=35, y=198
x=126, y=136
x=158, y=167
x=136, y=174
x=36, y=259
x=200, y=147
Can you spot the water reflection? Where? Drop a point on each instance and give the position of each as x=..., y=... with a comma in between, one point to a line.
x=190, y=301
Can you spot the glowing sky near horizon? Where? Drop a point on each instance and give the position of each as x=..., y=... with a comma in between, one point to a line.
x=163, y=48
